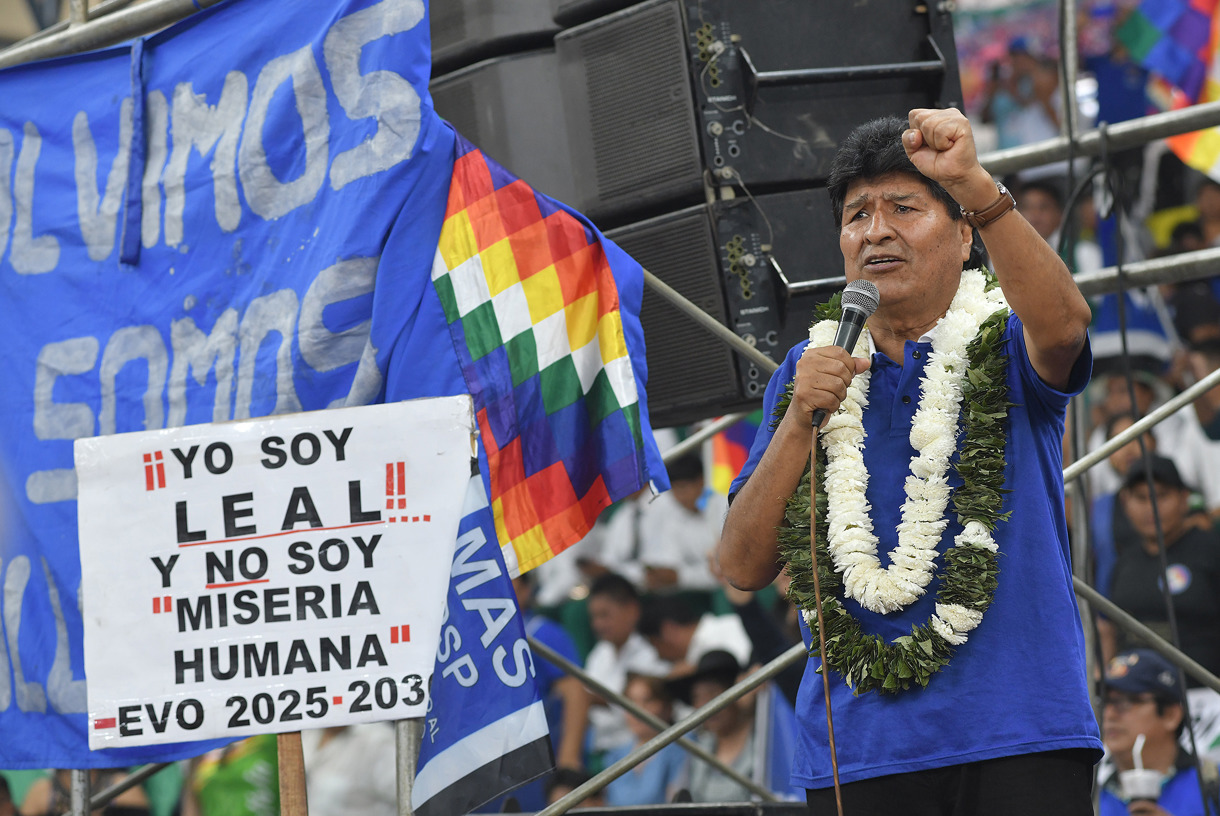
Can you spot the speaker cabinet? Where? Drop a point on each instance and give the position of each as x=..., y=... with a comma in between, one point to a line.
x=668, y=97
x=510, y=107
x=466, y=31
x=734, y=260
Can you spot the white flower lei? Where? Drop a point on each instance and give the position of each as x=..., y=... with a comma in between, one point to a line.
x=851, y=542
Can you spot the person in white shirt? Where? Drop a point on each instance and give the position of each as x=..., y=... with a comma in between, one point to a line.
x=682, y=636
x=614, y=613
x=663, y=544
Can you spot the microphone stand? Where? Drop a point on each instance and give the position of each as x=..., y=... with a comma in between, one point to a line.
x=817, y=600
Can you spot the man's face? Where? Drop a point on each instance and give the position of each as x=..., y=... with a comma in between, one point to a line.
x=1125, y=716
x=611, y=620
x=686, y=492
x=669, y=643
x=1122, y=458
x=1041, y=210
x=1172, y=504
x=896, y=234
x=1208, y=202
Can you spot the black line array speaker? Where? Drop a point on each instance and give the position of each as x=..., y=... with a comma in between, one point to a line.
x=668, y=97
x=465, y=31
x=511, y=108
x=733, y=259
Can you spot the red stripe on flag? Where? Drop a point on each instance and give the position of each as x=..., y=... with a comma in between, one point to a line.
x=168, y=603
x=104, y=722
x=402, y=478
x=148, y=476
x=160, y=472
x=147, y=458
x=336, y=700
x=393, y=634
x=389, y=478
x=427, y=518
x=157, y=606
x=406, y=633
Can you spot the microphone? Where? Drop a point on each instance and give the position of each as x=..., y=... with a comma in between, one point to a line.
x=860, y=300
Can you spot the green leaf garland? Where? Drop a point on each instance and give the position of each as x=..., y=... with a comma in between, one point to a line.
x=969, y=574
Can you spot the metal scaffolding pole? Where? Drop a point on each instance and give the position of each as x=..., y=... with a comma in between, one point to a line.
x=702, y=435
x=671, y=734
x=1153, y=640
x=1120, y=136
x=656, y=722
x=102, y=798
x=78, y=12
x=109, y=30
x=78, y=796
x=1187, y=266
x=408, y=739
x=1154, y=417
x=100, y=10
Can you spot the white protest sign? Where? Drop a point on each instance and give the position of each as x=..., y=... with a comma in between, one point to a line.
x=270, y=575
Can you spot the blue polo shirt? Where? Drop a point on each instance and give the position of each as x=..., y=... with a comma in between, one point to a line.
x=1018, y=685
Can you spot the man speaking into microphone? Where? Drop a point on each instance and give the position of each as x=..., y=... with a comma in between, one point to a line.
x=955, y=650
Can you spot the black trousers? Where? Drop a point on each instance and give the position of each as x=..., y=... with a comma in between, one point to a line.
x=1050, y=783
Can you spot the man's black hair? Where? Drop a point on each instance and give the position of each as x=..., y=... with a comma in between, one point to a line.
x=871, y=151
x=615, y=587
x=1045, y=186
x=685, y=468
x=661, y=608
x=1184, y=230
x=1162, y=704
x=571, y=778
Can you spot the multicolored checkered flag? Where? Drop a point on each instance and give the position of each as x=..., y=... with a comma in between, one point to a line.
x=1179, y=40
x=544, y=313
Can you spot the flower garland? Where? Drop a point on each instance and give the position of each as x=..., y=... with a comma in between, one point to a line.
x=965, y=378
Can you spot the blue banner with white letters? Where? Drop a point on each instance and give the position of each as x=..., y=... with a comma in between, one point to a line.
x=234, y=218
x=486, y=731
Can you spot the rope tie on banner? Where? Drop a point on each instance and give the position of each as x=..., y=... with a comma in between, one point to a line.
x=133, y=201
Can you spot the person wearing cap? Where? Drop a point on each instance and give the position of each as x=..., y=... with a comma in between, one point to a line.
x=729, y=734
x=1143, y=698
x=1192, y=552
x=1001, y=693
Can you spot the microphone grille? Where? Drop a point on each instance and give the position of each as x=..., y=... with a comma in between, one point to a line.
x=863, y=295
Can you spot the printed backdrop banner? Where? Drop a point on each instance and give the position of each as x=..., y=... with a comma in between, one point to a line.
x=307, y=553
x=241, y=216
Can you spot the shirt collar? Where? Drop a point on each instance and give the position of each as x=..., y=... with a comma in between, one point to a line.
x=926, y=337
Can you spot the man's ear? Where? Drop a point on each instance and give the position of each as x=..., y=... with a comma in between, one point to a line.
x=1172, y=716
x=967, y=239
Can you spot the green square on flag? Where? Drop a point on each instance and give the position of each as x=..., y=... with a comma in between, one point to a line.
x=560, y=385
x=482, y=331
x=1139, y=35
x=444, y=289
x=522, y=357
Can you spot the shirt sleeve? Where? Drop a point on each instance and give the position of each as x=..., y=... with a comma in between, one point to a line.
x=1034, y=384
